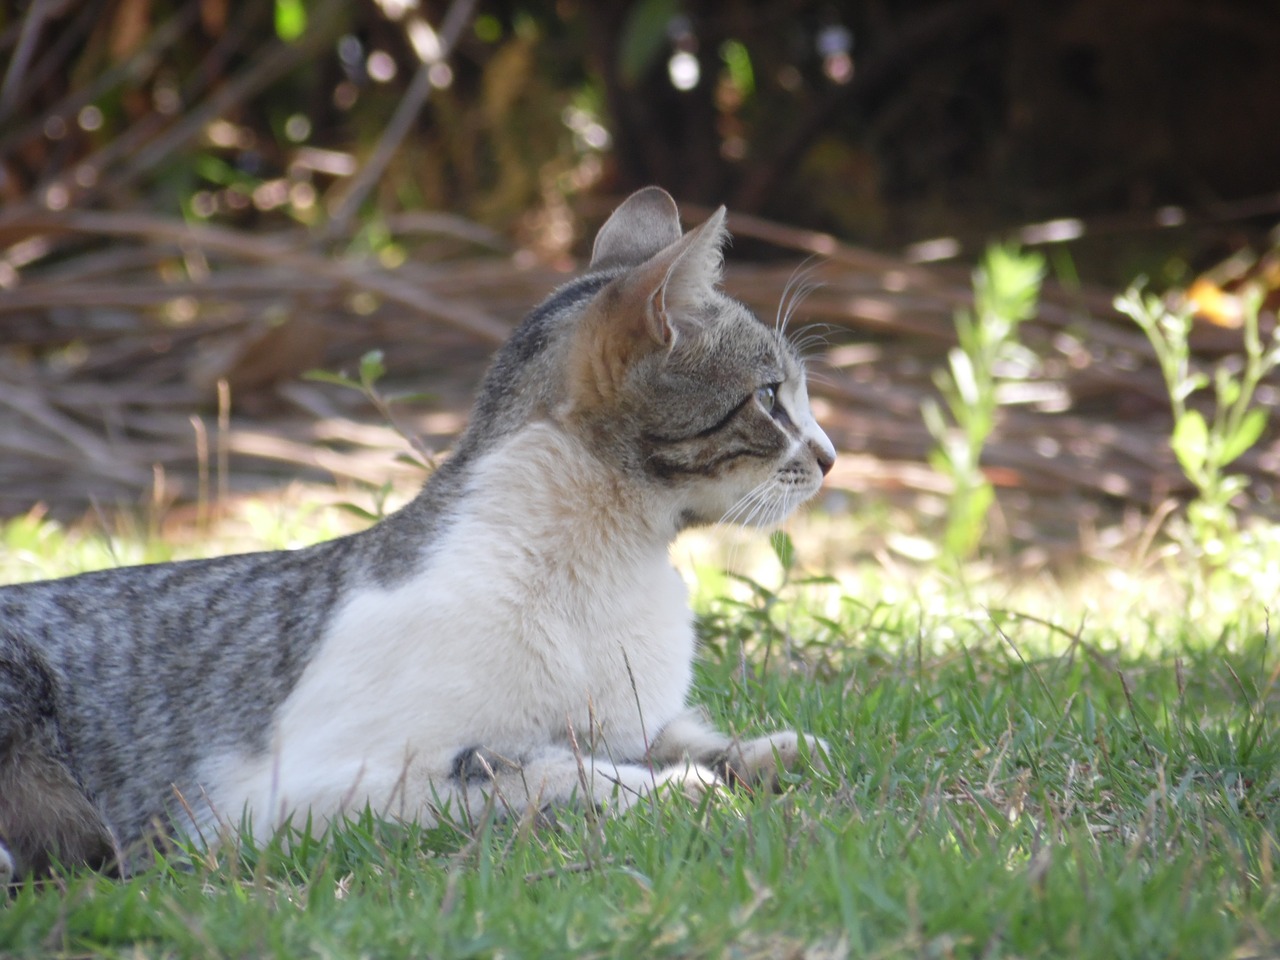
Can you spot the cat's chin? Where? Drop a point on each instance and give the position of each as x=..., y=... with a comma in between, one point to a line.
x=758, y=516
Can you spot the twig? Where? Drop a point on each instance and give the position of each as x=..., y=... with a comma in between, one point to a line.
x=235, y=243
x=414, y=99
x=32, y=24
x=272, y=62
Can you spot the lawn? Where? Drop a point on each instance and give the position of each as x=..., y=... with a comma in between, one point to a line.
x=1018, y=769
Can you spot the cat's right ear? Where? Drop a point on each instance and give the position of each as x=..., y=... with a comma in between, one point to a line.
x=644, y=224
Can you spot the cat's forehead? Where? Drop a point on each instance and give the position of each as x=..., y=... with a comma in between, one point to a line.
x=742, y=339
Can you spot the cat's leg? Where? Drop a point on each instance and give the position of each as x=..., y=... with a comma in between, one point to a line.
x=754, y=762
x=45, y=815
x=559, y=777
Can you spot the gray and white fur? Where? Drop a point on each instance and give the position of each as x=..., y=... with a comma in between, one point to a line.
x=514, y=636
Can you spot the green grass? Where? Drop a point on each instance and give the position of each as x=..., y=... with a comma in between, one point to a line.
x=1041, y=772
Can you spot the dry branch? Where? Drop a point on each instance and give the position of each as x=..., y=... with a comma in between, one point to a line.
x=1093, y=427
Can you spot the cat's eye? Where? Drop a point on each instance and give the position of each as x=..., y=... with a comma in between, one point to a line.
x=767, y=397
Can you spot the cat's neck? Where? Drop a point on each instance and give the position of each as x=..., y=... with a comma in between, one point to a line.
x=546, y=484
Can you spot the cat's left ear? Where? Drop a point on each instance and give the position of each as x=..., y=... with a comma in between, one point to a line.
x=646, y=308
x=667, y=288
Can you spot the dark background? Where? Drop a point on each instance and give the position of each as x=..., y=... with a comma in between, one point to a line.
x=883, y=122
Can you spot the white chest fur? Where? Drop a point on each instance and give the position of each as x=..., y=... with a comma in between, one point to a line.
x=547, y=602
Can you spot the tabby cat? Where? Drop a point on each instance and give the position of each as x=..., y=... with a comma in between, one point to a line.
x=514, y=636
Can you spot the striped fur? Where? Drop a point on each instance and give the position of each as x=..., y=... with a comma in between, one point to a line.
x=514, y=636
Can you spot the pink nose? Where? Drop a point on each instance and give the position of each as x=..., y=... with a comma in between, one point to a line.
x=825, y=460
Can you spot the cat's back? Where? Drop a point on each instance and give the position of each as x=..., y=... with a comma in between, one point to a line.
x=173, y=610
x=149, y=667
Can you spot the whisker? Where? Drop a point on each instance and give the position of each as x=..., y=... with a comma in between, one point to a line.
x=794, y=292
x=815, y=333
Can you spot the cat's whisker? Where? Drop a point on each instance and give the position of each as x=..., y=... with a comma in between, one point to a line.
x=814, y=333
x=750, y=506
x=795, y=290
x=741, y=514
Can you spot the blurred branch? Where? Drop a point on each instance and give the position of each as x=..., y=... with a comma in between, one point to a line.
x=272, y=62
x=468, y=319
x=32, y=25
x=411, y=104
x=133, y=69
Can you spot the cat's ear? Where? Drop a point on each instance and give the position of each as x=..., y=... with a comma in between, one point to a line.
x=646, y=308
x=645, y=223
x=666, y=289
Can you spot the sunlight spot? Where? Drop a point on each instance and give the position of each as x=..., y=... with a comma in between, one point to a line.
x=381, y=66
x=895, y=281
x=297, y=128
x=57, y=197
x=1115, y=484
x=853, y=354
x=869, y=309
x=926, y=251
x=302, y=196
x=426, y=42
x=270, y=194
x=440, y=75
x=1053, y=231
x=333, y=162
x=684, y=70
x=90, y=118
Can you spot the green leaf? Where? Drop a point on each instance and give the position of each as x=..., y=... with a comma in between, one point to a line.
x=1226, y=386
x=372, y=368
x=783, y=549
x=1190, y=442
x=1188, y=386
x=360, y=512
x=738, y=61
x=644, y=36
x=1246, y=435
x=968, y=520
x=962, y=373
x=291, y=19
x=418, y=397
x=931, y=413
x=337, y=379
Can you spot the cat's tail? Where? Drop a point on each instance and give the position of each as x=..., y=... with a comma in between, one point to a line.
x=45, y=815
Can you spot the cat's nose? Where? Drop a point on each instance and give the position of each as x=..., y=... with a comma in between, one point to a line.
x=825, y=456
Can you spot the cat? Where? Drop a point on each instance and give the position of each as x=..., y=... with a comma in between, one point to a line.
x=515, y=636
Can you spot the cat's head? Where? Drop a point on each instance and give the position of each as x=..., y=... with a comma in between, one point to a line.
x=667, y=379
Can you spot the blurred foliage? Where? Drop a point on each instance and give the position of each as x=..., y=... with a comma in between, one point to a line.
x=885, y=122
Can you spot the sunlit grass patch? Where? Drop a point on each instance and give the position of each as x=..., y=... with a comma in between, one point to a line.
x=1019, y=766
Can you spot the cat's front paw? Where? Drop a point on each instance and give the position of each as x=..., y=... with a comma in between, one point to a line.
x=761, y=761
x=692, y=779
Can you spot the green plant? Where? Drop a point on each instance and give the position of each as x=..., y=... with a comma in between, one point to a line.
x=1205, y=447
x=372, y=369
x=1006, y=287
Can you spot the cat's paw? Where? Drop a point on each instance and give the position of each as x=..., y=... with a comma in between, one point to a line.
x=691, y=779
x=761, y=761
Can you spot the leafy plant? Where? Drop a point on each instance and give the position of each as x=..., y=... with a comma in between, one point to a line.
x=1006, y=287
x=1205, y=447
x=372, y=369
